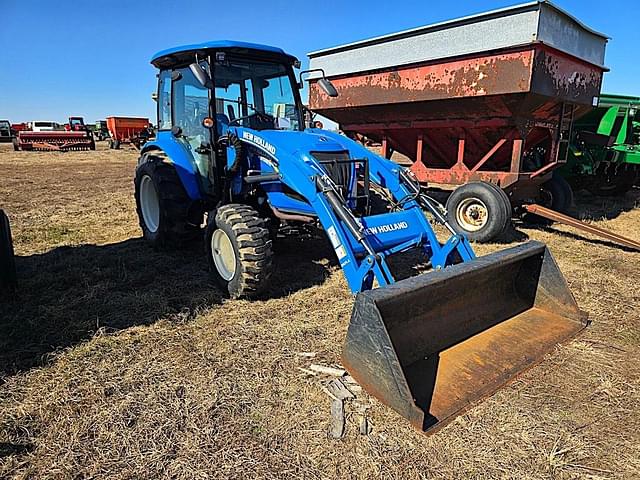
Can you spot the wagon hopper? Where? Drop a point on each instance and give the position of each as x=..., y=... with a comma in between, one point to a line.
x=491, y=97
x=128, y=130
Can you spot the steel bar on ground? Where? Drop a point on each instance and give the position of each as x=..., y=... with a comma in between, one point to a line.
x=585, y=227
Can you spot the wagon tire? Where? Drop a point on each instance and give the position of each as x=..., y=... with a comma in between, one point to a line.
x=508, y=225
x=7, y=258
x=479, y=211
x=239, y=250
x=557, y=195
x=167, y=216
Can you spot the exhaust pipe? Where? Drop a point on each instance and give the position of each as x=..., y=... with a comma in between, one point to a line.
x=433, y=345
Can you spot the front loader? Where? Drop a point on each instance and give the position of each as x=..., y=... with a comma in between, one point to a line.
x=233, y=152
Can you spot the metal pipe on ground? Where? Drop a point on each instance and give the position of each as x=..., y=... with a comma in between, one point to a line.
x=582, y=226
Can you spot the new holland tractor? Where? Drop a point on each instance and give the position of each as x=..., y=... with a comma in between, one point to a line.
x=233, y=153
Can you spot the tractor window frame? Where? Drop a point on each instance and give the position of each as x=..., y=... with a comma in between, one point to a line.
x=258, y=93
x=178, y=102
x=164, y=95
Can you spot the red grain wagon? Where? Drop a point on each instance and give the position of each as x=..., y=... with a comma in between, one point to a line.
x=490, y=98
x=128, y=130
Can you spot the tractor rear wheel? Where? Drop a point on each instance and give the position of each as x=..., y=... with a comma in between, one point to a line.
x=7, y=260
x=239, y=250
x=167, y=216
x=479, y=211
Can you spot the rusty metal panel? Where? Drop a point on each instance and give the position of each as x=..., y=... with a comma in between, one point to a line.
x=560, y=77
x=487, y=75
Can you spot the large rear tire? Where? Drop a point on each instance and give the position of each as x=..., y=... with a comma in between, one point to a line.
x=479, y=211
x=7, y=259
x=167, y=216
x=239, y=250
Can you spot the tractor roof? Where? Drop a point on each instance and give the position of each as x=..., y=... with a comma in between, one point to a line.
x=172, y=56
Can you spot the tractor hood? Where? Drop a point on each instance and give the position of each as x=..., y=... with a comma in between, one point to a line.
x=278, y=142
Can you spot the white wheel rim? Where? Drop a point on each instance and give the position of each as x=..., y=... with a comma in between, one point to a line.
x=223, y=254
x=149, y=204
x=472, y=214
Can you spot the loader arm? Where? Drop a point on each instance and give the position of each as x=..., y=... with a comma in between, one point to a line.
x=362, y=244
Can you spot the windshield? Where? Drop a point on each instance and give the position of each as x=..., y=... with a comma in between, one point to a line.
x=256, y=94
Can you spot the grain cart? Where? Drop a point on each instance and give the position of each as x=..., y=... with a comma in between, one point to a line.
x=127, y=130
x=232, y=147
x=474, y=103
x=604, y=156
x=7, y=261
x=47, y=136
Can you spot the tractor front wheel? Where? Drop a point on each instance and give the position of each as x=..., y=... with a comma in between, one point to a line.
x=167, y=216
x=239, y=250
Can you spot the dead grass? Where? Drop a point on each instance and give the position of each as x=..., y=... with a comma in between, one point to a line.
x=120, y=362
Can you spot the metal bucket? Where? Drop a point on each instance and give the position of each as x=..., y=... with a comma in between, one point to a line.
x=433, y=345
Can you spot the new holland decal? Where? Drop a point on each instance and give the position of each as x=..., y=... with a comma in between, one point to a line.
x=391, y=227
x=259, y=142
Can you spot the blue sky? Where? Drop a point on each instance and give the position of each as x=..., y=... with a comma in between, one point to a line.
x=91, y=58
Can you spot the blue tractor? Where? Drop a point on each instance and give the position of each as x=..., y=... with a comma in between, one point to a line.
x=234, y=153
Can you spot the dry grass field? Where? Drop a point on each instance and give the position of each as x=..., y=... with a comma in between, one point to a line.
x=120, y=362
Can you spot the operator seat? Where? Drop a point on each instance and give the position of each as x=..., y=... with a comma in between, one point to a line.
x=222, y=124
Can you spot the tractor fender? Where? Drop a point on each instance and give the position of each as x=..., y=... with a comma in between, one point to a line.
x=182, y=160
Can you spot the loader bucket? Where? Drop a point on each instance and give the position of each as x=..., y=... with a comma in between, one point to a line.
x=432, y=345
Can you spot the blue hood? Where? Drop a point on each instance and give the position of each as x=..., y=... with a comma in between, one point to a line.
x=295, y=143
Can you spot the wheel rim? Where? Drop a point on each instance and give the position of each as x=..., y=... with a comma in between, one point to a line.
x=149, y=204
x=472, y=214
x=224, y=256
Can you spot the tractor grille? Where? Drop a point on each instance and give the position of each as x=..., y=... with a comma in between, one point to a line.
x=339, y=167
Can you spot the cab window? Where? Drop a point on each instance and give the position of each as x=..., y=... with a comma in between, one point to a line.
x=190, y=103
x=164, y=100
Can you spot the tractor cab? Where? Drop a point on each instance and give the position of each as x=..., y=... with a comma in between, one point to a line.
x=248, y=85
x=206, y=91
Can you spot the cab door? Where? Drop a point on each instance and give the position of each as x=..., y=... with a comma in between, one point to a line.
x=190, y=102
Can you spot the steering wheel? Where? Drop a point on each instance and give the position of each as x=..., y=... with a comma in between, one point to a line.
x=260, y=116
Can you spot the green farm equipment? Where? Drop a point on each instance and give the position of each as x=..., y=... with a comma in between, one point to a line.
x=604, y=156
x=101, y=131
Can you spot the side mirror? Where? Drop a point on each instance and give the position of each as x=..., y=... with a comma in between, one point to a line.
x=154, y=96
x=202, y=76
x=326, y=85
